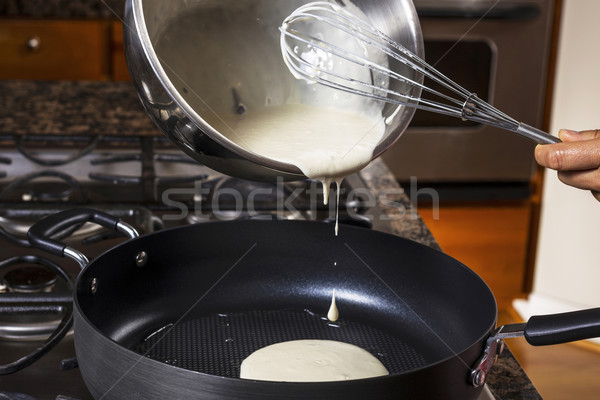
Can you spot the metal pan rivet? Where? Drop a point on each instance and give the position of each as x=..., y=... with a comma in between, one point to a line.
x=141, y=259
x=94, y=285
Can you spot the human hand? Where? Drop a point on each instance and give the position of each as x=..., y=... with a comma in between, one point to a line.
x=577, y=159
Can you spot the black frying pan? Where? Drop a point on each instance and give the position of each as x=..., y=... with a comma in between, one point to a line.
x=172, y=314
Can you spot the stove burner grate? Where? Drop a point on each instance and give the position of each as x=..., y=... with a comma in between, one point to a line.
x=20, y=144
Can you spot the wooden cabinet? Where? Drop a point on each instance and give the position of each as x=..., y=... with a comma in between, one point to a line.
x=49, y=49
x=492, y=239
x=62, y=50
x=119, y=66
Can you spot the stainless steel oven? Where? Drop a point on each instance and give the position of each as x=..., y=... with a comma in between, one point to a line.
x=499, y=49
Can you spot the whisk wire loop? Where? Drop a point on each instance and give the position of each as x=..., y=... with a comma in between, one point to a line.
x=321, y=16
x=368, y=35
x=301, y=67
x=335, y=16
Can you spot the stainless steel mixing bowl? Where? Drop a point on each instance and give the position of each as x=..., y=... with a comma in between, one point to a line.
x=193, y=60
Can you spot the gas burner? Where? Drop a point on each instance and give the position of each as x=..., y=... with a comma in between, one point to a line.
x=29, y=279
x=59, y=187
x=48, y=191
x=33, y=301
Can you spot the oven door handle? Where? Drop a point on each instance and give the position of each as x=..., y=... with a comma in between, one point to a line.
x=487, y=10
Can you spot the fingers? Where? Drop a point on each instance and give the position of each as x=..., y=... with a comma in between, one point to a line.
x=574, y=153
x=567, y=135
x=588, y=179
x=577, y=159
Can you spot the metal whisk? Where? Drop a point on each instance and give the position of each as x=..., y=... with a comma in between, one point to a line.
x=325, y=43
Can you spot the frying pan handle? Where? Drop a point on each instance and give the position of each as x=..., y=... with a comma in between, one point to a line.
x=540, y=330
x=544, y=330
x=40, y=233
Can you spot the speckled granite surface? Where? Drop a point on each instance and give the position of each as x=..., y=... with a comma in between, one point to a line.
x=110, y=108
x=508, y=381
x=72, y=108
x=91, y=9
x=394, y=213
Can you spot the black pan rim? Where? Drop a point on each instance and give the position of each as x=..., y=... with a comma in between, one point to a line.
x=79, y=314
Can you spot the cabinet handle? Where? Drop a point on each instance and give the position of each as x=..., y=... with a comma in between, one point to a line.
x=34, y=43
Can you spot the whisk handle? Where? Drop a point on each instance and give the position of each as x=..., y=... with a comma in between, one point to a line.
x=536, y=134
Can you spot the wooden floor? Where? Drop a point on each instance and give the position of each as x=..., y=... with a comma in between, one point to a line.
x=561, y=372
x=492, y=240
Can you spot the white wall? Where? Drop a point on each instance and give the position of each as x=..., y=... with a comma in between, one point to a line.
x=568, y=261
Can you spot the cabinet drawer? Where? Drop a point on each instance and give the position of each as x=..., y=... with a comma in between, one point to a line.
x=35, y=49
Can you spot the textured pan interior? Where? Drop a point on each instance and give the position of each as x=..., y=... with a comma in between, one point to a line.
x=416, y=306
x=218, y=344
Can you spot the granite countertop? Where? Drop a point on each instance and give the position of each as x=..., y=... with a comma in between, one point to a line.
x=72, y=108
x=112, y=108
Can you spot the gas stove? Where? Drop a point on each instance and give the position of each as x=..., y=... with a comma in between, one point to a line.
x=147, y=171
x=148, y=184
x=144, y=181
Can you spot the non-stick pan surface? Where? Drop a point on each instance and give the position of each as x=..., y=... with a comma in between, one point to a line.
x=172, y=314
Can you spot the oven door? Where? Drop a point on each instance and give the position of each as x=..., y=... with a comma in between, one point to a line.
x=499, y=50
